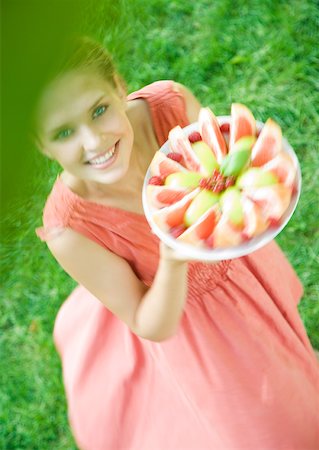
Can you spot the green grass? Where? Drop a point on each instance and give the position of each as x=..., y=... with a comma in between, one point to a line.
x=263, y=54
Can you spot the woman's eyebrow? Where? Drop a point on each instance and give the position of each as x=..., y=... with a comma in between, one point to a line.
x=62, y=126
x=97, y=102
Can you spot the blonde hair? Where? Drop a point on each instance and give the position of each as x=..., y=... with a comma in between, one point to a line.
x=87, y=54
x=83, y=54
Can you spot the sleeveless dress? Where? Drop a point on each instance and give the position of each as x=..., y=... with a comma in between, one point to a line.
x=240, y=372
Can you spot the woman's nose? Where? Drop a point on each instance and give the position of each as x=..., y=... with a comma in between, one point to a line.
x=90, y=139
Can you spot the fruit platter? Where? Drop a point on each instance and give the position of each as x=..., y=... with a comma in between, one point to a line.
x=222, y=187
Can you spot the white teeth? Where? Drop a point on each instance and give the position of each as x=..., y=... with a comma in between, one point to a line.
x=104, y=158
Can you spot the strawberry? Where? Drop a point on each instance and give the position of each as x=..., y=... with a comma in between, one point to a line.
x=175, y=156
x=156, y=180
x=194, y=137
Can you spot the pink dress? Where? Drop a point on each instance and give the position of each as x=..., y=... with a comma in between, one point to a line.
x=239, y=374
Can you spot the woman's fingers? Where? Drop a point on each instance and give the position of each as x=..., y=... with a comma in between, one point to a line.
x=168, y=253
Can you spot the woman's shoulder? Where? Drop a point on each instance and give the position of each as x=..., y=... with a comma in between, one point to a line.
x=155, y=89
x=170, y=103
x=56, y=211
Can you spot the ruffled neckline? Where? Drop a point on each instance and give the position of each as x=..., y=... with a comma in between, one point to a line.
x=84, y=202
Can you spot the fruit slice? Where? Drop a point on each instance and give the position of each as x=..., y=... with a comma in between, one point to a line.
x=211, y=134
x=173, y=215
x=268, y=145
x=256, y=177
x=254, y=222
x=163, y=166
x=201, y=203
x=244, y=143
x=161, y=196
x=272, y=200
x=224, y=234
x=242, y=124
x=180, y=143
x=234, y=163
x=232, y=207
x=183, y=179
x=202, y=228
x=205, y=156
x=283, y=167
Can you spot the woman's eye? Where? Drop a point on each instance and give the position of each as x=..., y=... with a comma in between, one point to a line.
x=63, y=134
x=99, y=111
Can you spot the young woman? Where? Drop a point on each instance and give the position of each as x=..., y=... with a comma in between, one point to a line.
x=158, y=352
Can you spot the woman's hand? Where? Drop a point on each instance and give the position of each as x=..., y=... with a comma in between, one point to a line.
x=169, y=254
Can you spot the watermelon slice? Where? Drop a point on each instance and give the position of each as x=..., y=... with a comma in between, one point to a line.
x=202, y=228
x=268, y=145
x=179, y=143
x=211, y=134
x=173, y=215
x=162, y=166
x=254, y=222
x=224, y=234
x=242, y=124
x=272, y=200
x=161, y=196
x=283, y=167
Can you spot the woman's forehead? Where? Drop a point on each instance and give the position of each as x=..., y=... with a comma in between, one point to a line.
x=70, y=95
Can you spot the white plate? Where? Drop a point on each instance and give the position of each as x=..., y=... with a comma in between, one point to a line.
x=193, y=252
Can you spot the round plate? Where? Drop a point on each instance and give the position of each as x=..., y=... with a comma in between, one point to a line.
x=193, y=252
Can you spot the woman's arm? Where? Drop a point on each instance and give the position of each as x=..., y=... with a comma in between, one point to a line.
x=151, y=313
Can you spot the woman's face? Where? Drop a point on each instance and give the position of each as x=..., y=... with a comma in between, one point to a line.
x=83, y=126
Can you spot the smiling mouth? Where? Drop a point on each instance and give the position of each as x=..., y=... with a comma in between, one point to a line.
x=104, y=157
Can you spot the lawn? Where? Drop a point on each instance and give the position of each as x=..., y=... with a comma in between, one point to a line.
x=263, y=54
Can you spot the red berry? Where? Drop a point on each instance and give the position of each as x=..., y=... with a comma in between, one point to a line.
x=230, y=181
x=224, y=128
x=216, y=175
x=294, y=189
x=156, y=180
x=175, y=156
x=194, y=137
x=274, y=223
x=205, y=183
x=219, y=187
x=177, y=231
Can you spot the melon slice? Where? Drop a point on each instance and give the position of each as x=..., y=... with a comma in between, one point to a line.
x=202, y=228
x=268, y=145
x=173, y=215
x=272, y=200
x=179, y=143
x=211, y=134
x=161, y=196
x=283, y=167
x=242, y=124
x=163, y=166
